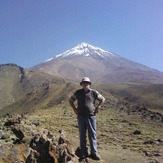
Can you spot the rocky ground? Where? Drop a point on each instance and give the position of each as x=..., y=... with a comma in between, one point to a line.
x=22, y=141
x=125, y=134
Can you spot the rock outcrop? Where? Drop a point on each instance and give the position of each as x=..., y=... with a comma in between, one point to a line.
x=22, y=141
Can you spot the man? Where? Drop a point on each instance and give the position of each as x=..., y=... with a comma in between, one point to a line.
x=86, y=113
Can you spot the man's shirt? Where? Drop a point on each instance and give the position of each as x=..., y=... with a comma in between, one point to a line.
x=86, y=101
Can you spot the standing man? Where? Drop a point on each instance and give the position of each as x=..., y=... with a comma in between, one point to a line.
x=86, y=113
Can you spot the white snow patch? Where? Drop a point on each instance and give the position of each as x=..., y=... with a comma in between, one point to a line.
x=49, y=59
x=87, y=55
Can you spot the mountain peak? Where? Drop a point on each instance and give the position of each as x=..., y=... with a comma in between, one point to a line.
x=85, y=49
x=84, y=44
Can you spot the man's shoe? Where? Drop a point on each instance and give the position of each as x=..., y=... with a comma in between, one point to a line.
x=95, y=157
x=84, y=156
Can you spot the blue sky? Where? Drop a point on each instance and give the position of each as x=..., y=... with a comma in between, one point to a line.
x=32, y=31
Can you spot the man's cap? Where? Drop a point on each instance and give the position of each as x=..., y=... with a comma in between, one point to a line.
x=85, y=79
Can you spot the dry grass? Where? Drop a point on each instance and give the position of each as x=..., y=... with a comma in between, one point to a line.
x=116, y=141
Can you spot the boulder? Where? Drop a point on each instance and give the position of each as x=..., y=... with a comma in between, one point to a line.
x=14, y=153
x=37, y=123
x=32, y=144
x=12, y=121
x=137, y=132
x=45, y=150
x=5, y=136
x=18, y=131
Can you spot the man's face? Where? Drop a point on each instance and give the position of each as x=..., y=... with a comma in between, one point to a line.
x=85, y=85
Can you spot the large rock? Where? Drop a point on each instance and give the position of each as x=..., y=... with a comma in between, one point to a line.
x=14, y=153
x=19, y=132
x=45, y=150
x=12, y=120
x=30, y=144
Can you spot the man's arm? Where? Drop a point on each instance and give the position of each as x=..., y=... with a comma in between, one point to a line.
x=73, y=106
x=99, y=105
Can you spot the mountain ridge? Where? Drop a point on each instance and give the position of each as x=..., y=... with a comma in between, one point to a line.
x=17, y=83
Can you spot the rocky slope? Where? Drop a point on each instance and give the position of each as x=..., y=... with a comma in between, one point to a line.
x=11, y=77
x=22, y=141
x=17, y=83
x=125, y=133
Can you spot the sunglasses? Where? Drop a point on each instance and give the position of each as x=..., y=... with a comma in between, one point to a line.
x=85, y=82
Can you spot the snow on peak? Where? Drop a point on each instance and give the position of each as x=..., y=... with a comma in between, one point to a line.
x=86, y=45
x=86, y=50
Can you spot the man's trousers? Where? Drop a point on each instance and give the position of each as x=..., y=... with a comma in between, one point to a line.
x=84, y=123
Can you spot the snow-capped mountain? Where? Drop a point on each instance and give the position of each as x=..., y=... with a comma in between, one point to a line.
x=100, y=65
x=86, y=50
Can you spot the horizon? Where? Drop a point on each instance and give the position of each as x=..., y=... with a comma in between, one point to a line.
x=35, y=31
